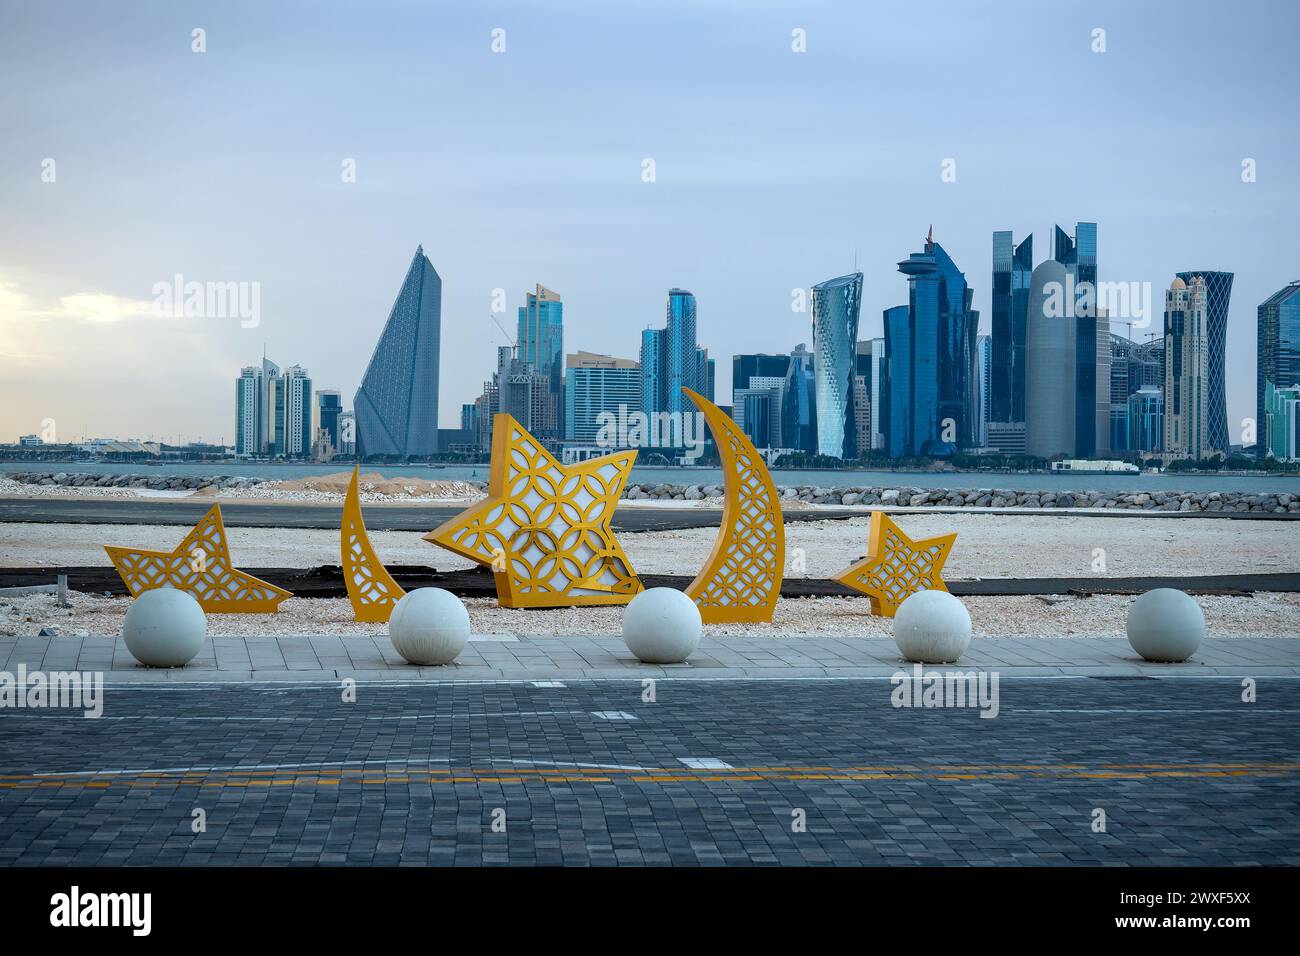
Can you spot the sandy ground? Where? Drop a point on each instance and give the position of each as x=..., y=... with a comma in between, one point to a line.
x=988, y=546
x=1264, y=615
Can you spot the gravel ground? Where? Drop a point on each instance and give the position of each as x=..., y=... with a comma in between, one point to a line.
x=1263, y=615
x=988, y=546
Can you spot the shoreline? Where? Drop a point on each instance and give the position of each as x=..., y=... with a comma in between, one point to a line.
x=376, y=490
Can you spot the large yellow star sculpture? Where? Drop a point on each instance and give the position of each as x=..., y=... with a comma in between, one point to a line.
x=200, y=565
x=896, y=567
x=544, y=528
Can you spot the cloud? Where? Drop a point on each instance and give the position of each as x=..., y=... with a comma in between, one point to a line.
x=102, y=307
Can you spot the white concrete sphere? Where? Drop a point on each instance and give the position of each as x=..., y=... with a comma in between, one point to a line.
x=662, y=626
x=164, y=627
x=429, y=626
x=932, y=627
x=1166, y=625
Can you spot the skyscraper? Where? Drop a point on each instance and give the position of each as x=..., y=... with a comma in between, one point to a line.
x=671, y=359
x=1146, y=419
x=596, y=384
x=272, y=409
x=1280, y=433
x=653, y=385
x=877, y=391
x=930, y=352
x=984, y=385
x=799, y=413
x=745, y=366
x=1092, y=339
x=1218, y=292
x=294, y=435
x=540, y=343
x=682, y=364
x=897, y=396
x=1278, y=351
x=397, y=404
x=329, y=404
x=1050, y=387
x=835, y=307
x=1187, y=398
x=1012, y=266
x=250, y=412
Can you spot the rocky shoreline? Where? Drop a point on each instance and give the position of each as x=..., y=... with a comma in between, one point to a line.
x=1212, y=501
x=853, y=496
x=150, y=482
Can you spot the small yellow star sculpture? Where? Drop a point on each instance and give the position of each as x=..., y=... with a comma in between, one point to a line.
x=896, y=567
x=544, y=528
x=200, y=565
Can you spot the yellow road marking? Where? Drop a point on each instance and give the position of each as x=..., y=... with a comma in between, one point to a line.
x=324, y=776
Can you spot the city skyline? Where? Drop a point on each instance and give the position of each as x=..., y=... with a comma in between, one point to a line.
x=741, y=212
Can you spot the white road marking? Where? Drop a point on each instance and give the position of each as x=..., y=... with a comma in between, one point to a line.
x=706, y=763
x=613, y=715
x=563, y=763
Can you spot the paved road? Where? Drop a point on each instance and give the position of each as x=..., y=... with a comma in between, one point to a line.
x=709, y=773
x=424, y=517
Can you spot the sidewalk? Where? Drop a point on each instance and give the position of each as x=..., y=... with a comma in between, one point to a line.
x=569, y=657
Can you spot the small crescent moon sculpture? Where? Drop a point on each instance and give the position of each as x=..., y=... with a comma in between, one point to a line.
x=742, y=579
x=371, y=589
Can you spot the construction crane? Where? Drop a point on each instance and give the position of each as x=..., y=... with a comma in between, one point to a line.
x=502, y=328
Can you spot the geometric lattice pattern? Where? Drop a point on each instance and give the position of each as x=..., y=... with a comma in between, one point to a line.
x=741, y=581
x=544, y=528
x=896, y=567
x=200, y=565
x=371, y=589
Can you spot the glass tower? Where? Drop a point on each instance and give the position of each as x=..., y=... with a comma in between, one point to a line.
x=671, y=360
x=653, y=388
x=329, y=405
x=1218, y=290
x=835, y=306
x=799, y=412
x=931, y=359
x=1091, y=366
x=1278, y=343
x=681, y=361
x=397, y=404
x=897, y=394
x=1012, y=267
x=540, y=344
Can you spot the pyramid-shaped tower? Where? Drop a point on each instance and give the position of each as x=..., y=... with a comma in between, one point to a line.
x=397, y=403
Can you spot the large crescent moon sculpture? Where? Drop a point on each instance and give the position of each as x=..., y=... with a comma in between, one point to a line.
x=742, y=579
x=371, y=589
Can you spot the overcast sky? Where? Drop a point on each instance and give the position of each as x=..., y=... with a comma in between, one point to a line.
x=773, y=170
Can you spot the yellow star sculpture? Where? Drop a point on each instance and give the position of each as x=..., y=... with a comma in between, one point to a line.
x=200, y=565
x=544, y=528
x=896, y=567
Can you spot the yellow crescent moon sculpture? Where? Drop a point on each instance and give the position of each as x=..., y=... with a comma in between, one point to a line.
x=742, y=579
x=200, y=565
x=371, y=589
x=544, y=528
